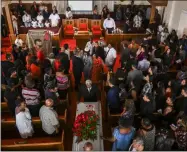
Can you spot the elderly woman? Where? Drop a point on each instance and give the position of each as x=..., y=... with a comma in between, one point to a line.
x=23, y=120
x=122, y=135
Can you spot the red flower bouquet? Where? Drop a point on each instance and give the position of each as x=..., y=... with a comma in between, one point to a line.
x=85, y=125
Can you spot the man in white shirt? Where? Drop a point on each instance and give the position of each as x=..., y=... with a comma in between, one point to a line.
x=49, y=118
x=137, y=20
x=40, y=19
x=54, y=18
x=18, y=41
x=110, y=53
x=26, y=19
x=109, y=24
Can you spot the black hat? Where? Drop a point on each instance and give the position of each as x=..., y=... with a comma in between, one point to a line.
x=12, y=70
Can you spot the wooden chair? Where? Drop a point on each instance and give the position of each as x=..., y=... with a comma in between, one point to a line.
x=96, y=27
x=68, y=27
x=83, y=24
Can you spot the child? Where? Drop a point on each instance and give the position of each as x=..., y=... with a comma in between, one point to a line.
x=34, y=23
x=47, y=24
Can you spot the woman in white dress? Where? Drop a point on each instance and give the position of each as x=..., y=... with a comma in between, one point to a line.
x=23, y=120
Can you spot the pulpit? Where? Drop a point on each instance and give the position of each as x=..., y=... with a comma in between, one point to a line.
x=82, y=37
x=98, y=143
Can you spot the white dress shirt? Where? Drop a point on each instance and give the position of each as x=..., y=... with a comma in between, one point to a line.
x=137, y=21
x=110, y=56
x=47, y=24
x=40, y=18
x=34, y=24
x=69, y=14
x=109, y=23
x=26, y=18
x=19, y=42
x=54, y=19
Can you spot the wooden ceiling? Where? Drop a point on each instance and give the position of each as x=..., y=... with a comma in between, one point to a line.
x=158, y=2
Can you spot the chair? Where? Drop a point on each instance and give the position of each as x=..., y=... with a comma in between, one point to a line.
x=68, y=28
x=96, y=27
x=83, y=24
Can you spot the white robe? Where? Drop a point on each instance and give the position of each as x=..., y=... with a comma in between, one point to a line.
x=24, y=123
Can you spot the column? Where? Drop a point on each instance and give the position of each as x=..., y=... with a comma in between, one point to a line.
x=9, y=20
x=153, y=9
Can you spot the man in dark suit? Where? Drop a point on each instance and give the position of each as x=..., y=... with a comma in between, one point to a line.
x=98, y=51
x=78, y=66
x=89, y=92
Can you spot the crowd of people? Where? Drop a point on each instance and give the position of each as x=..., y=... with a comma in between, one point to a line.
x=37, y=17
x=151, y=102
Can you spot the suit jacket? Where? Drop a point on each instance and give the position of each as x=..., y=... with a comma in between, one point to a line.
x=92, y=96
x=78, y=65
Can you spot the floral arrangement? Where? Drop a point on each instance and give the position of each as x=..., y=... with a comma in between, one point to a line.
x=85, y=125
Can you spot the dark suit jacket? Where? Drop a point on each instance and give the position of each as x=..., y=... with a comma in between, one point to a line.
x=92, y=96
x=99, y=51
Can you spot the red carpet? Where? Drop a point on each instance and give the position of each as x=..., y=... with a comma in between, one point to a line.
x=70, y=42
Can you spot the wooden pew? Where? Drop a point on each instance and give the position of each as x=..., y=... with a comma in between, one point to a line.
x=11, y=139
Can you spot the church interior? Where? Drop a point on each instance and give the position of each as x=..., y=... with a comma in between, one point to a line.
x=94, y=75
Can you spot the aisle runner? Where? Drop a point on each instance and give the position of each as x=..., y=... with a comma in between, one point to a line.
x=97, y=144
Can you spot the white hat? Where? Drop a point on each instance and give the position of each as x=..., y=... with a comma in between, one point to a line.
x=86, y=49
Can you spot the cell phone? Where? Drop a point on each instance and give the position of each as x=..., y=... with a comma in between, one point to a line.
x=174, y=126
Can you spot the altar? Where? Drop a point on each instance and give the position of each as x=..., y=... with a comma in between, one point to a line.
x=97, y=144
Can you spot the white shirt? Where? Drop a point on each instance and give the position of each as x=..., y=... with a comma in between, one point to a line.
x=19, y=42
x=111, y=55
x=34, y=24
x=40, y=18
x=49, y=119
x=137, y=21
x=164, y=36
x=24, y=123
x=109, y=23
x=47, y=24
x=69, y=14
x=89, y=45
x=26, y=18
x=14, y=19
x=54, y=19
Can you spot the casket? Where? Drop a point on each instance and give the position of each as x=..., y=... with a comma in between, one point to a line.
x=97, y=144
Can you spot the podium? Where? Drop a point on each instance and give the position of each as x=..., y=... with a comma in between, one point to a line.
x=82, y=37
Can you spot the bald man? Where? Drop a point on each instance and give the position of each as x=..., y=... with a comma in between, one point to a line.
x=49, y=118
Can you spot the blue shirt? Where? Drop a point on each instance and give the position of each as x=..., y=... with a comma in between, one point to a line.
x=122, y=141
x=113, y=100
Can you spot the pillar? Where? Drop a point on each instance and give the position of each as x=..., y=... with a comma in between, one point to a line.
x=153, y=9
x=9, y=20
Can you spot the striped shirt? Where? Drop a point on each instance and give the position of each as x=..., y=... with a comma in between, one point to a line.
x=49, y=119
x=62, y=82
x=31, y=96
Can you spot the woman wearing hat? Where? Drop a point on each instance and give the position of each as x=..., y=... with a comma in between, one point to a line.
x=87, y=59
